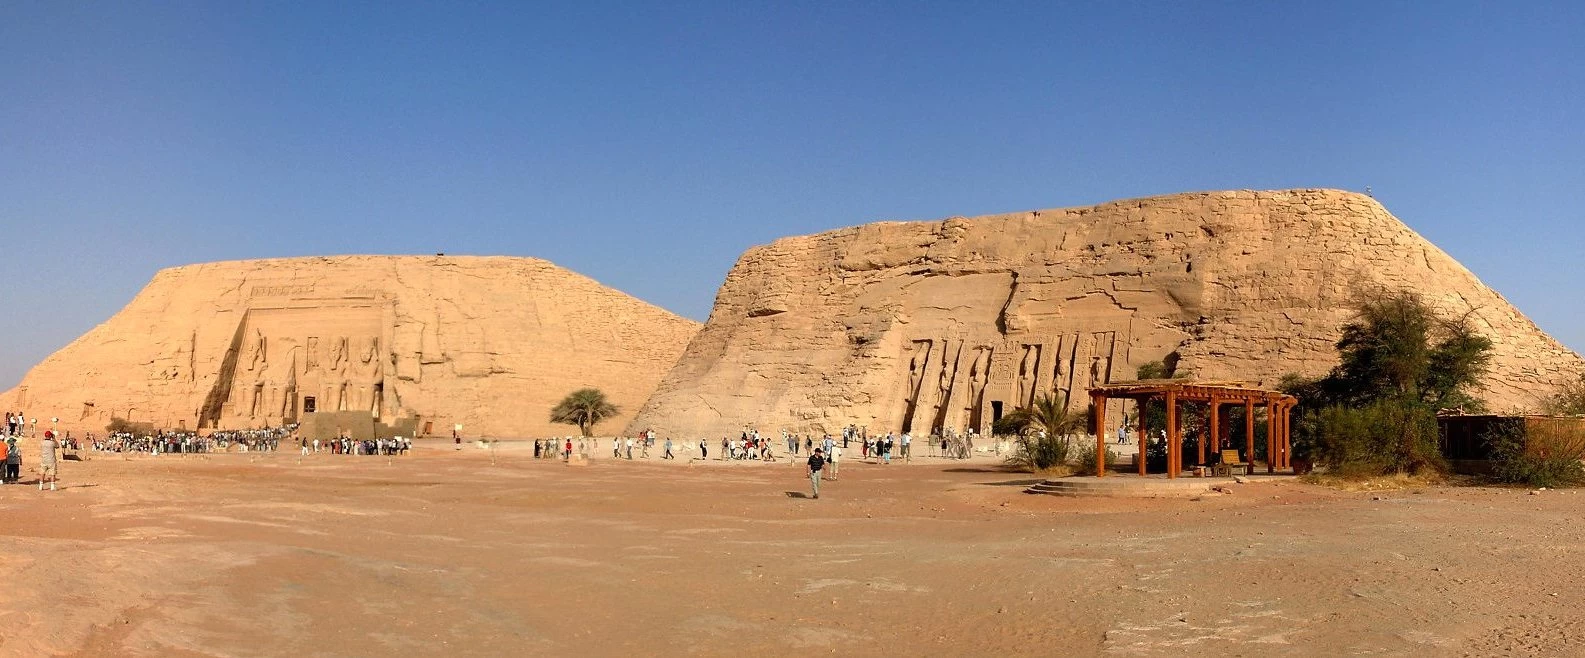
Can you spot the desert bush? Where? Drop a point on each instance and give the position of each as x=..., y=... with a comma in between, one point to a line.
x=1382, y=437
x=1084, y=458
x=1537, y=456
x=1569, y=400
x=1041, y=453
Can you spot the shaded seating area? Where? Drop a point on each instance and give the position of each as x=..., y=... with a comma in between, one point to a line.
x=1216, y=395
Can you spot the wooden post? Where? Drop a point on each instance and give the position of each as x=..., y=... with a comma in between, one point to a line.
x=1100, y=434
x=1172, y=434
x=1144, y=439
x=1249, y=431
x=1271, y=436
x=1216, y=430
x=1287, y=436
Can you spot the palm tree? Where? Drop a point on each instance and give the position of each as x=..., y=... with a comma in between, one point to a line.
x=1052, y=415
x=584, y=407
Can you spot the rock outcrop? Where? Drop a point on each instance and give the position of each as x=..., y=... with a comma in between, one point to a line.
x=488, y=343
x=920, y=325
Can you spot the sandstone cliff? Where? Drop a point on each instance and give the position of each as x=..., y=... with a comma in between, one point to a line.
x=490, y=343
x=918, y=325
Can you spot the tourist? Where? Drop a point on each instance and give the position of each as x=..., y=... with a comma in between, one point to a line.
x=704, y=449
x=668, y=454
x=566, y=450
x=13, y=465
x=836, y=455
x=5, y=453
x=809, y=443
x=908, y=455
x=47, y=465
x=886, y=449
x=816, y=463
x=827, y=443
x=630, y=448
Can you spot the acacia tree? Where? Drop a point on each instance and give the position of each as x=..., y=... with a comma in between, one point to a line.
x=584, y=407
x=1398, y=362
x=1397, y=348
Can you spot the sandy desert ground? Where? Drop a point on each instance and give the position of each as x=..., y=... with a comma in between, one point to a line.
x=441, y=553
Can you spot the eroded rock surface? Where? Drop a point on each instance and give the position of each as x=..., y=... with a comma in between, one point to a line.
x=490, y=343
x=920, y=325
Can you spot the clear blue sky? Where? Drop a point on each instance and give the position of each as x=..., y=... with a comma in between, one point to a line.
x=648, y=146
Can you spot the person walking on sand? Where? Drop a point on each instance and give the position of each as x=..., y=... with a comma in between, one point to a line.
x=817, y=462
x=836, y=456
x=48, y=470
x=668, y=454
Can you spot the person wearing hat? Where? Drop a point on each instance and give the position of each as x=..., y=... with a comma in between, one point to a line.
x=48, y=469
x=817, y=461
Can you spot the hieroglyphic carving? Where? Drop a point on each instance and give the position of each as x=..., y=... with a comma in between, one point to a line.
x=311, y=359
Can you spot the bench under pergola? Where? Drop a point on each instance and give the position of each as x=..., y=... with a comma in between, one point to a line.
x=1217, y=394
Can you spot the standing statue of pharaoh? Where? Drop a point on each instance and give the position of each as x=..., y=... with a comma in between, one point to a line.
x=368, y=375
x=978, y=376
x=1026, y=371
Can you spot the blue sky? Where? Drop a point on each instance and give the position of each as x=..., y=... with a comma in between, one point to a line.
x=648, y=145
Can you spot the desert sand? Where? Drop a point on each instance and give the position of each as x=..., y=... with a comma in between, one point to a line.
x=442, y=553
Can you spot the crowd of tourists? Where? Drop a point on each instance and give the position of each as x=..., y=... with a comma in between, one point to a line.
x=167, y=442
x=751, y=445
x=349, y=446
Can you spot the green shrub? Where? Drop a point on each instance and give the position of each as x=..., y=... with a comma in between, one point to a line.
x=1381, y=437
x=1084, y=458
x=1035, y=453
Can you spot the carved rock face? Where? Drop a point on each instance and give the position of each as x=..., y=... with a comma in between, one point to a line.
x=490, y=343
x=883, y=325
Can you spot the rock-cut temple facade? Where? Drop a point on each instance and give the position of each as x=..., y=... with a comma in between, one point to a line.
x=428, y=342
x=919, y=326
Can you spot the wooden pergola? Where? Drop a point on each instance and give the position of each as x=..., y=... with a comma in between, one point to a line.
x=1278, y=405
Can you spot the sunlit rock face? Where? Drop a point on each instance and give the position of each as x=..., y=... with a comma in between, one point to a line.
x=921, y=325
x=488, y=343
